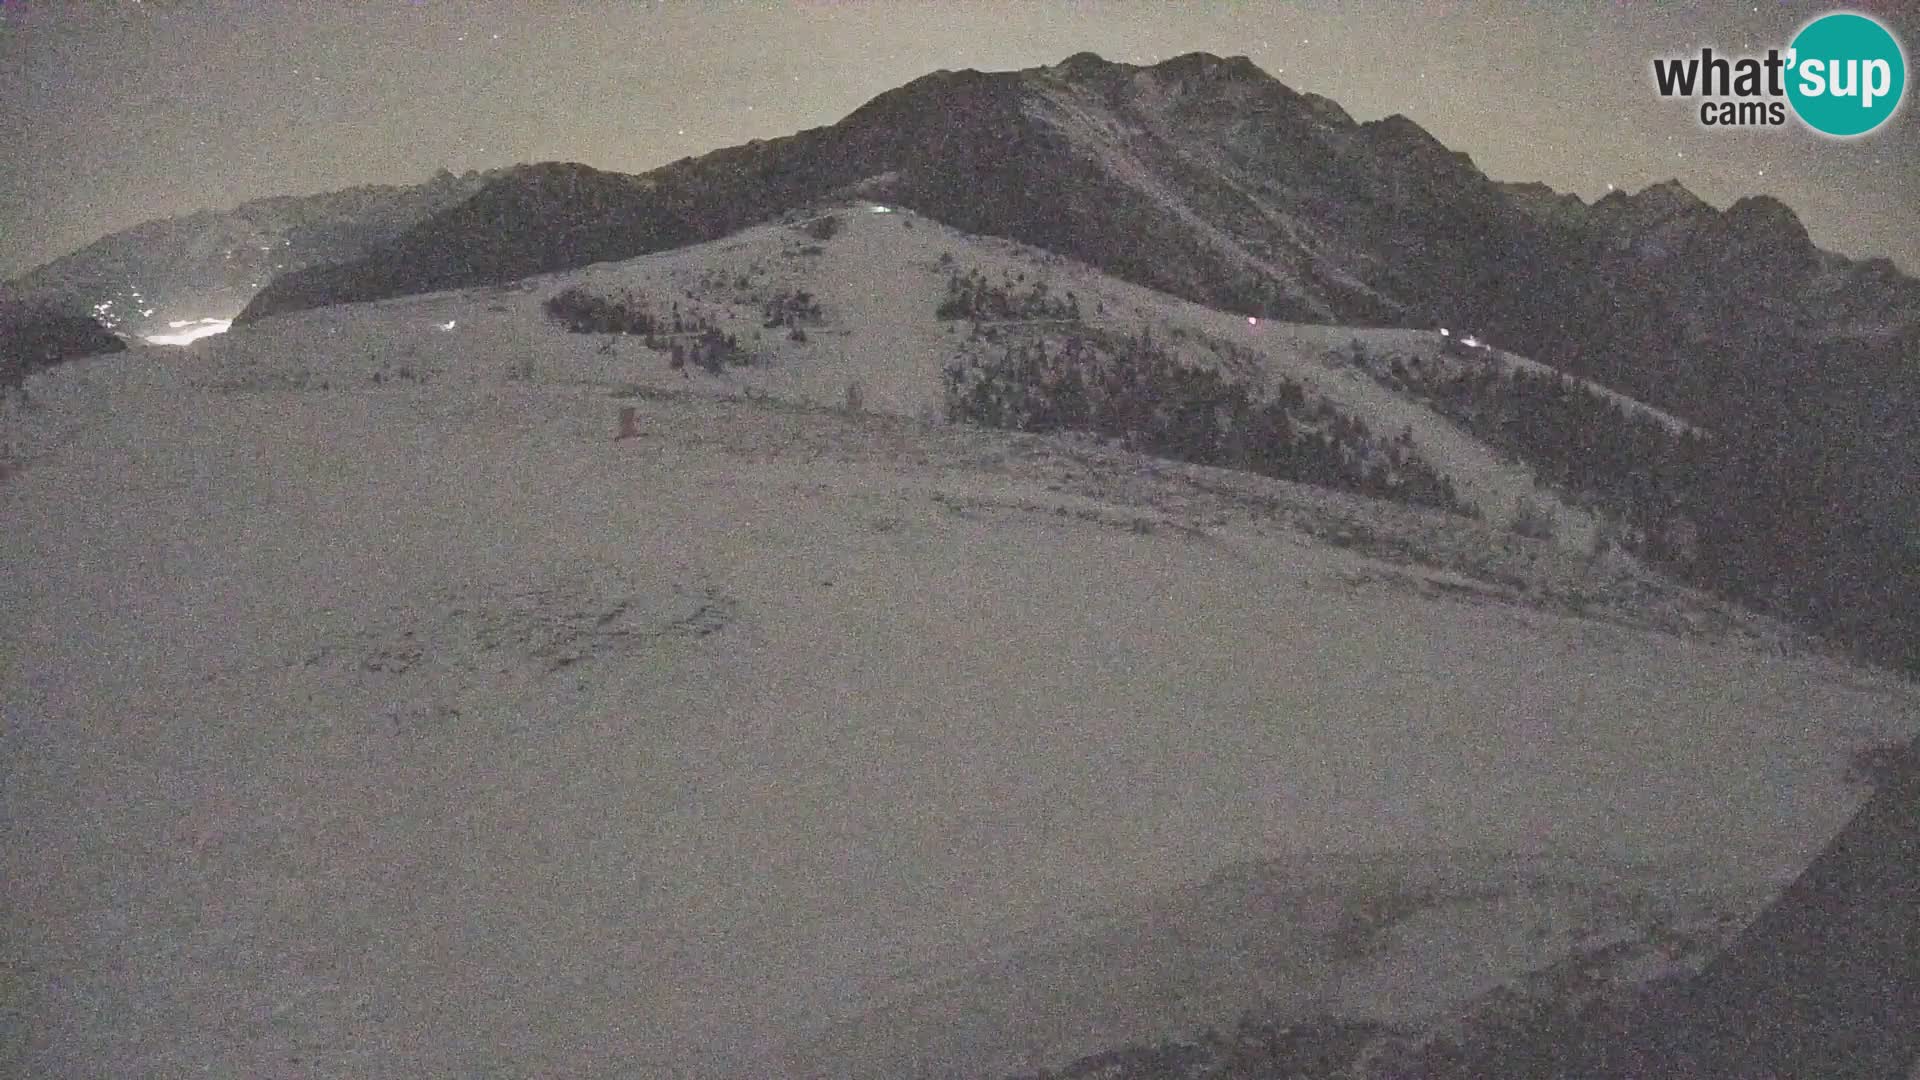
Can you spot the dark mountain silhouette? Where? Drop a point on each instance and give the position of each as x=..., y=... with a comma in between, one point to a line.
x=34, y=336
x=1200, y=176
x=209, y=264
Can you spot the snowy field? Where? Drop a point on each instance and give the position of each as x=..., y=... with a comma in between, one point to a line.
x=878, y=280
x=420, y=728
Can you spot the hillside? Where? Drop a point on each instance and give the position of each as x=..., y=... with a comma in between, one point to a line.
x=210, y=264
x=876, y=282
x=1209, y=180
x=408, y=720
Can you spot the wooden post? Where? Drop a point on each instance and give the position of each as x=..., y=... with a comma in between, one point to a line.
x=629, y=426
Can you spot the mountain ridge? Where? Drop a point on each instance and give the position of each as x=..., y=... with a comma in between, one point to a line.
x=1080, y=156
x=210, y=263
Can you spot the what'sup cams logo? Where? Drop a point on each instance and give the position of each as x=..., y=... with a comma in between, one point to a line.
x=1843, y=75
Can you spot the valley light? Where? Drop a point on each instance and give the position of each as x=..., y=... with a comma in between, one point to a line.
x=194, y=331
x=1470, y=342
x=1443, y=331
x=448, y=325
x=880, y=209
x=1251, y=321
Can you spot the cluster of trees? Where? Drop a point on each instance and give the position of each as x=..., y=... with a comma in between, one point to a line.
x=790, y=308
x=584, y=312
x=688, y=337
x=823, y=228
x=972, y=296
x=1763, y=514
x=1577, y=439
x=1136, y=390
x=707, y=349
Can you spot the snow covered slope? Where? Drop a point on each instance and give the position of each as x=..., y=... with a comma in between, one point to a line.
x=419, y=727
x=878, y=280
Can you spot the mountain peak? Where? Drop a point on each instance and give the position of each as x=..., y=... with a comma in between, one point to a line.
x=1083, y=64
x=1669, y=195
x=1187, y=68
x=1401, y=128
x=1399, y=134
x=1766, y=222
x=1539, y=189
x=1543, y=203
x=1765, y=210
x=1208, y=66
x=1667, y=204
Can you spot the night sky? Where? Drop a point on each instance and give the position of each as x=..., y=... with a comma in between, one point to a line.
x=111, y=114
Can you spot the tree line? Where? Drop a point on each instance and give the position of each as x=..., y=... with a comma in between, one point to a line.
x=1136, y=390
x=1764, y=513
x=973, y=296
x=688, y=337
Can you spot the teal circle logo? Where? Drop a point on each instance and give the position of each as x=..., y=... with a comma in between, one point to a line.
x=1846, y=74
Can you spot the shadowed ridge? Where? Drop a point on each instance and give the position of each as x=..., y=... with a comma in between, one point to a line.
x=1823, y=984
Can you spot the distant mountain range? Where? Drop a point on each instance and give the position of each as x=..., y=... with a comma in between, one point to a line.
x=210, y=264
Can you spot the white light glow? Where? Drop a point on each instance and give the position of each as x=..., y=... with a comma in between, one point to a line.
x=1251, y=321
x=449, y=324
x=195, y=330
